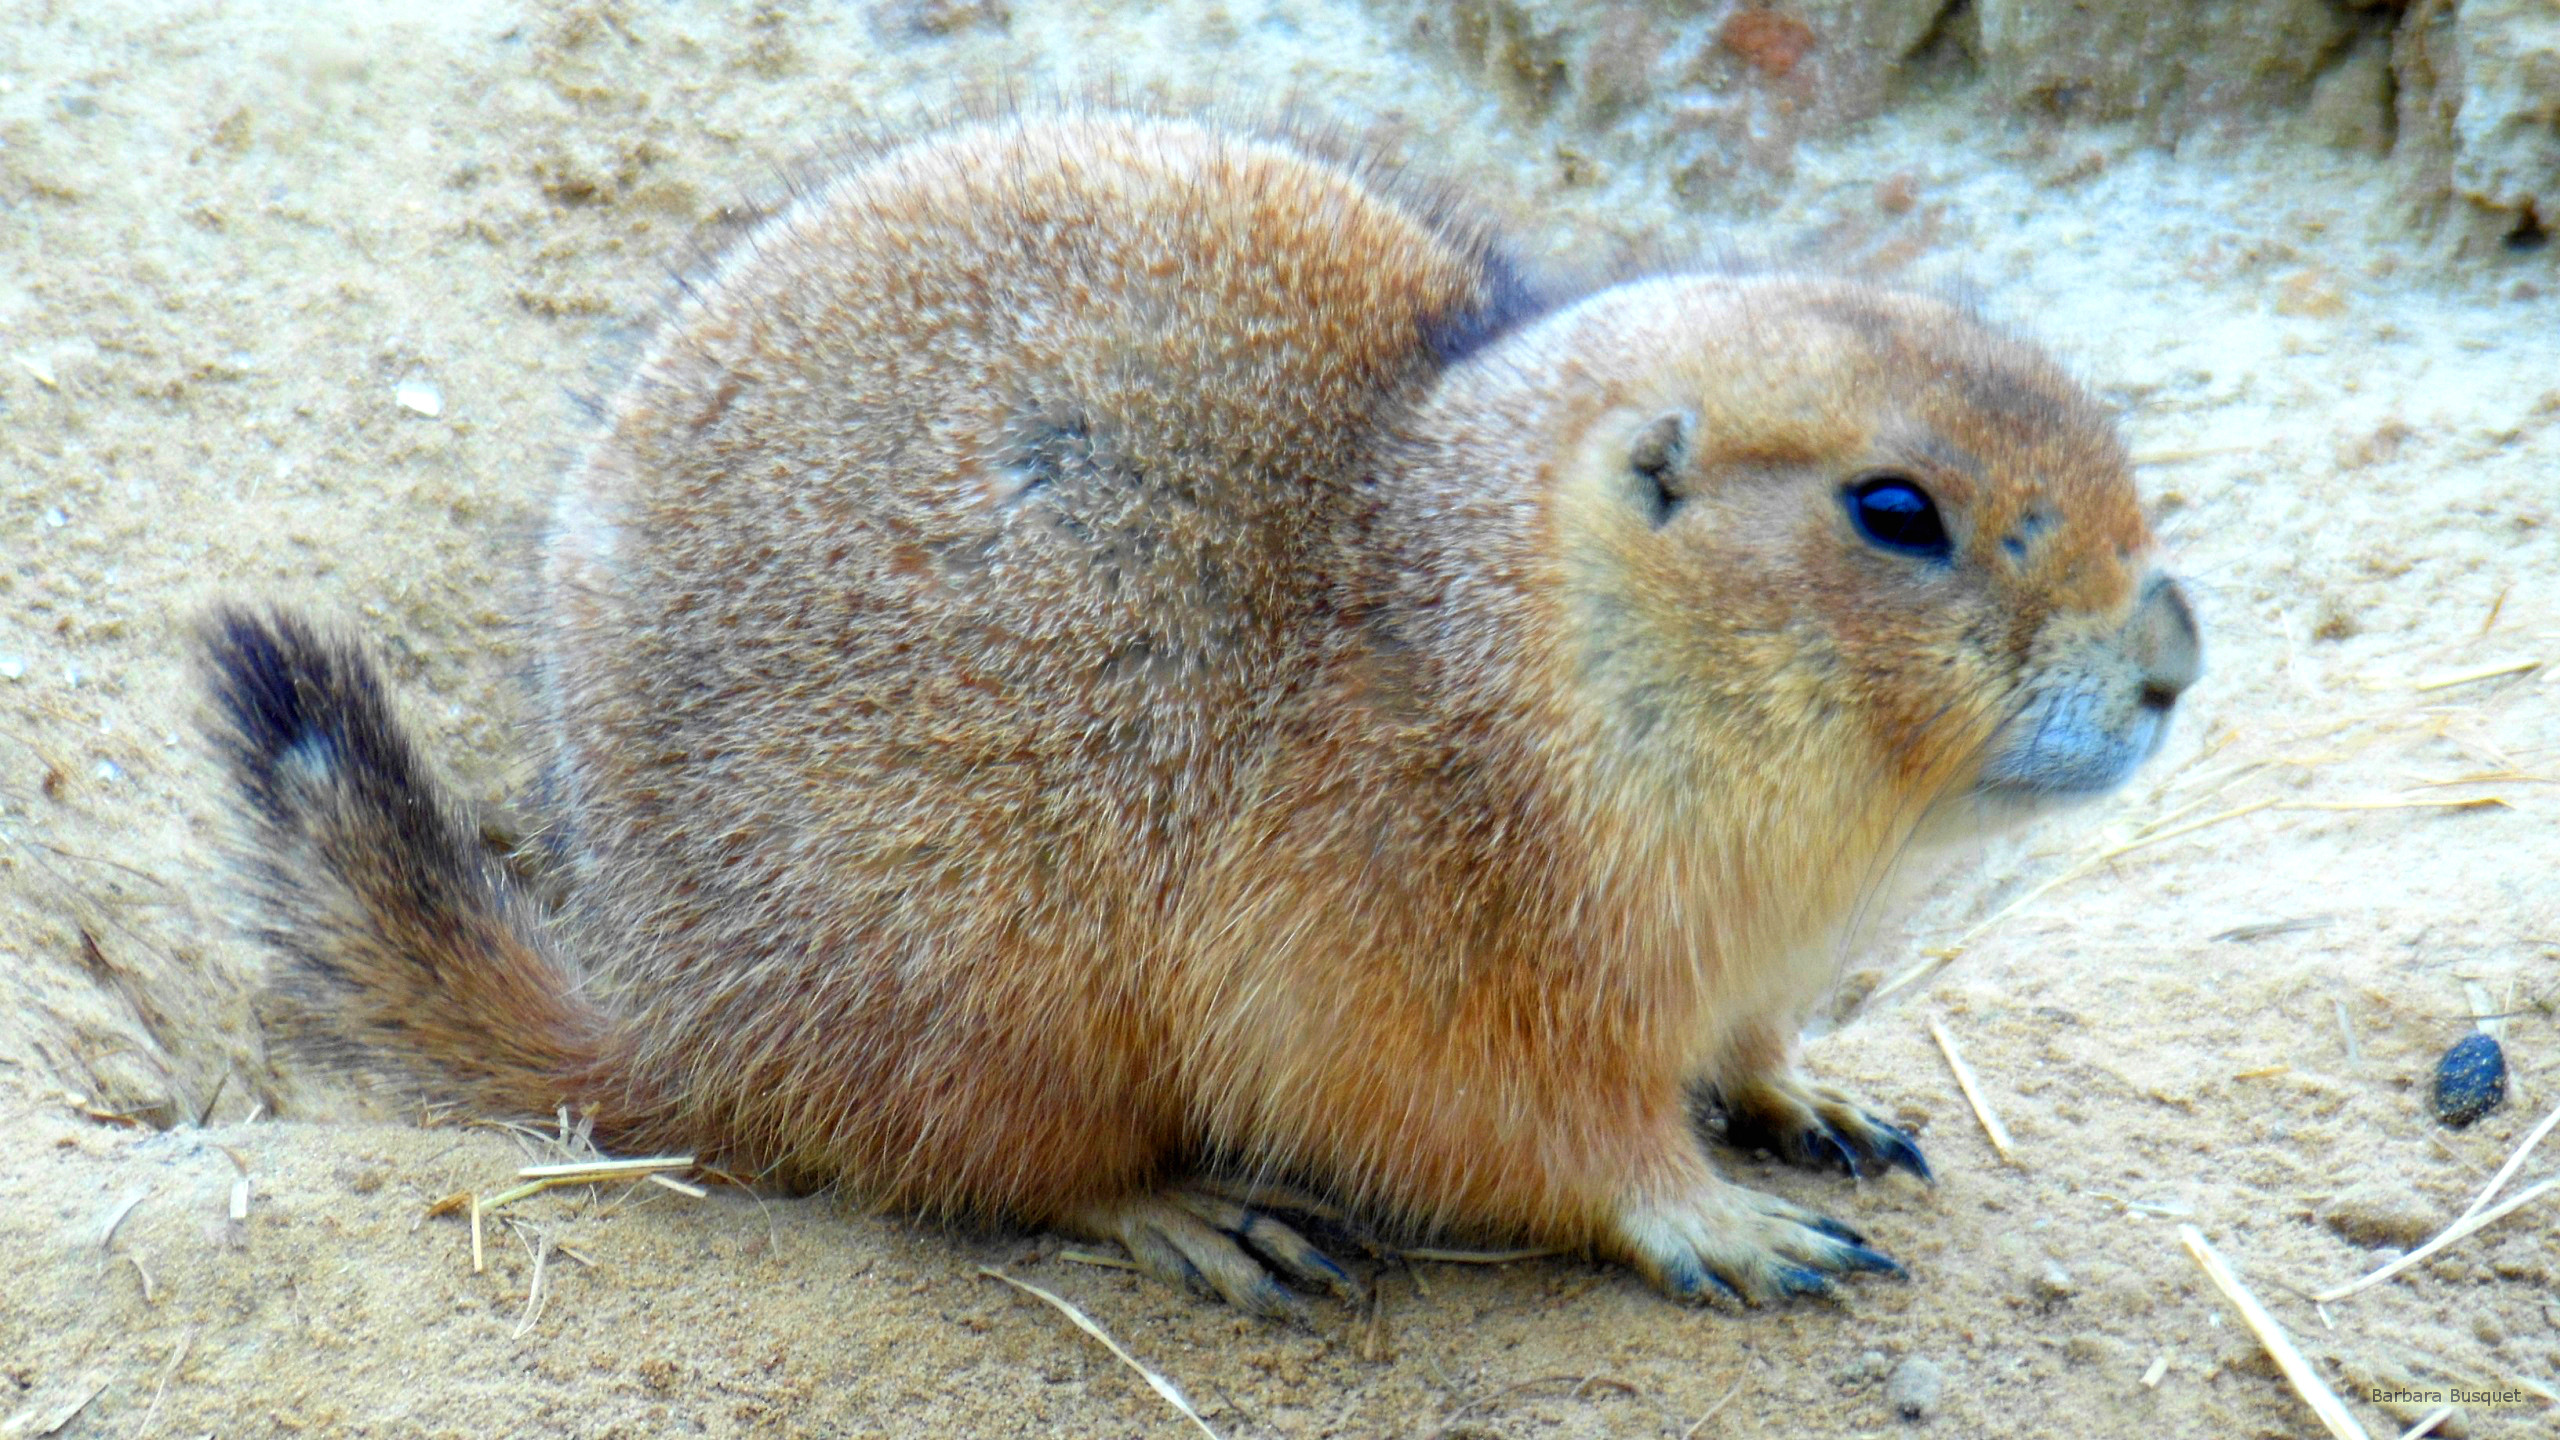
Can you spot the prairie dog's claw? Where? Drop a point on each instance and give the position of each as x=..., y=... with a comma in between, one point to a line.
x=1277, y=1244
x=1903, y=1153
x=1208, y=1243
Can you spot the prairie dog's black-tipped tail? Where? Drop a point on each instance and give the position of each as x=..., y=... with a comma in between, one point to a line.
x=403, y=945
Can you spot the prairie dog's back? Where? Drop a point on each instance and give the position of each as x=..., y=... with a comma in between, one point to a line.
x=930, y=592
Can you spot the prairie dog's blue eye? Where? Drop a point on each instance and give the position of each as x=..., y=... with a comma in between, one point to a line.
x=1894, y=513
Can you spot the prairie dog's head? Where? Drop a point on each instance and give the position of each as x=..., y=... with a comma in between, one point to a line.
x=1823, y=525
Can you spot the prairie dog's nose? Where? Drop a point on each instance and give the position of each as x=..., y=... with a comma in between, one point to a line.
x=2163, y=639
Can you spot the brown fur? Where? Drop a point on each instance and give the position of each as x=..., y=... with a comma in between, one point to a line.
x=1096, y=646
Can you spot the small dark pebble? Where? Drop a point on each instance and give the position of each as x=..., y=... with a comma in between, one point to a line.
x=2471, y=1080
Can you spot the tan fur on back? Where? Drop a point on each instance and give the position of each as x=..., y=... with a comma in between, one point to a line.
x=936, y=755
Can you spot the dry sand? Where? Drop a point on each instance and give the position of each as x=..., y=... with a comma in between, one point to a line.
x=233, y=234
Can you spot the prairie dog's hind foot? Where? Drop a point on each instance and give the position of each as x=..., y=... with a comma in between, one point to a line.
x=1721, y=1238
x=1804, y=1123
x=1195, y=1238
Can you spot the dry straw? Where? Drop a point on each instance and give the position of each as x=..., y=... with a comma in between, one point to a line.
x=1172, y=1394
x=2428, y=1422
x=1982, y=1110
x=2306, y=755
x=1701, y=1422
x=1478, y=1257
x=2473, y=677
x=2461, y=1229
x=2477, y=1217
x=538, y=1178
x=2314, y=1391
x=115, y=1218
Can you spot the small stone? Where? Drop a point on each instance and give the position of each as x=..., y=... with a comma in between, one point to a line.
x=1771, y=43
x=2055, y=1284
x=54, y=518
x=419, y=397
x=1913, y=1390
x=109, y=772
x=2351, y=105
x=2471, y=1080
x=2310, y=293
x=12, y=668
x=2095, y=1350
x=2383, y=1210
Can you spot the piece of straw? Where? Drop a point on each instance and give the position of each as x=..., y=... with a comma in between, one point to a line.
x=538, y=1178
x=1982, y=1111
x=2514, y=1163
x=2192, y=452
x=1580, y=1386
x=2485, y=1015
x=2476, y=802
x=2269, y=929
x=2459, y=1230
x=115, y=1217
x=605, y=1169
x=1701, y=1422
x=2428, y=1422
x=2307, y=1383
x=2495, y=608
x=1156, y=1382
x=2473, y=677
x=1478, y=1257
x=533, y=1296
x=160, y=1392
x=1932, y=960
x=1937, y=958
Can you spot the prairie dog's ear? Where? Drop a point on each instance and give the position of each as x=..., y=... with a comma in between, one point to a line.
x=1658, y=457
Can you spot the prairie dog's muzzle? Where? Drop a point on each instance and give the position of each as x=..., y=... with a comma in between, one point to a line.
x=2097, y=701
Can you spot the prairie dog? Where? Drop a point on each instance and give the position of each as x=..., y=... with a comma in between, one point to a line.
x=1099, y=657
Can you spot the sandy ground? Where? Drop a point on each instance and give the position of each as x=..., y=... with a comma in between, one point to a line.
x=233, y=235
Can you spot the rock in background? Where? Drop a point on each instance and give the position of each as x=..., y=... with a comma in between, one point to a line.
x=2462, y=96
x=2479, y=110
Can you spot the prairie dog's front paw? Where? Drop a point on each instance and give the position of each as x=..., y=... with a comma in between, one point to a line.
x=1751, y=1247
